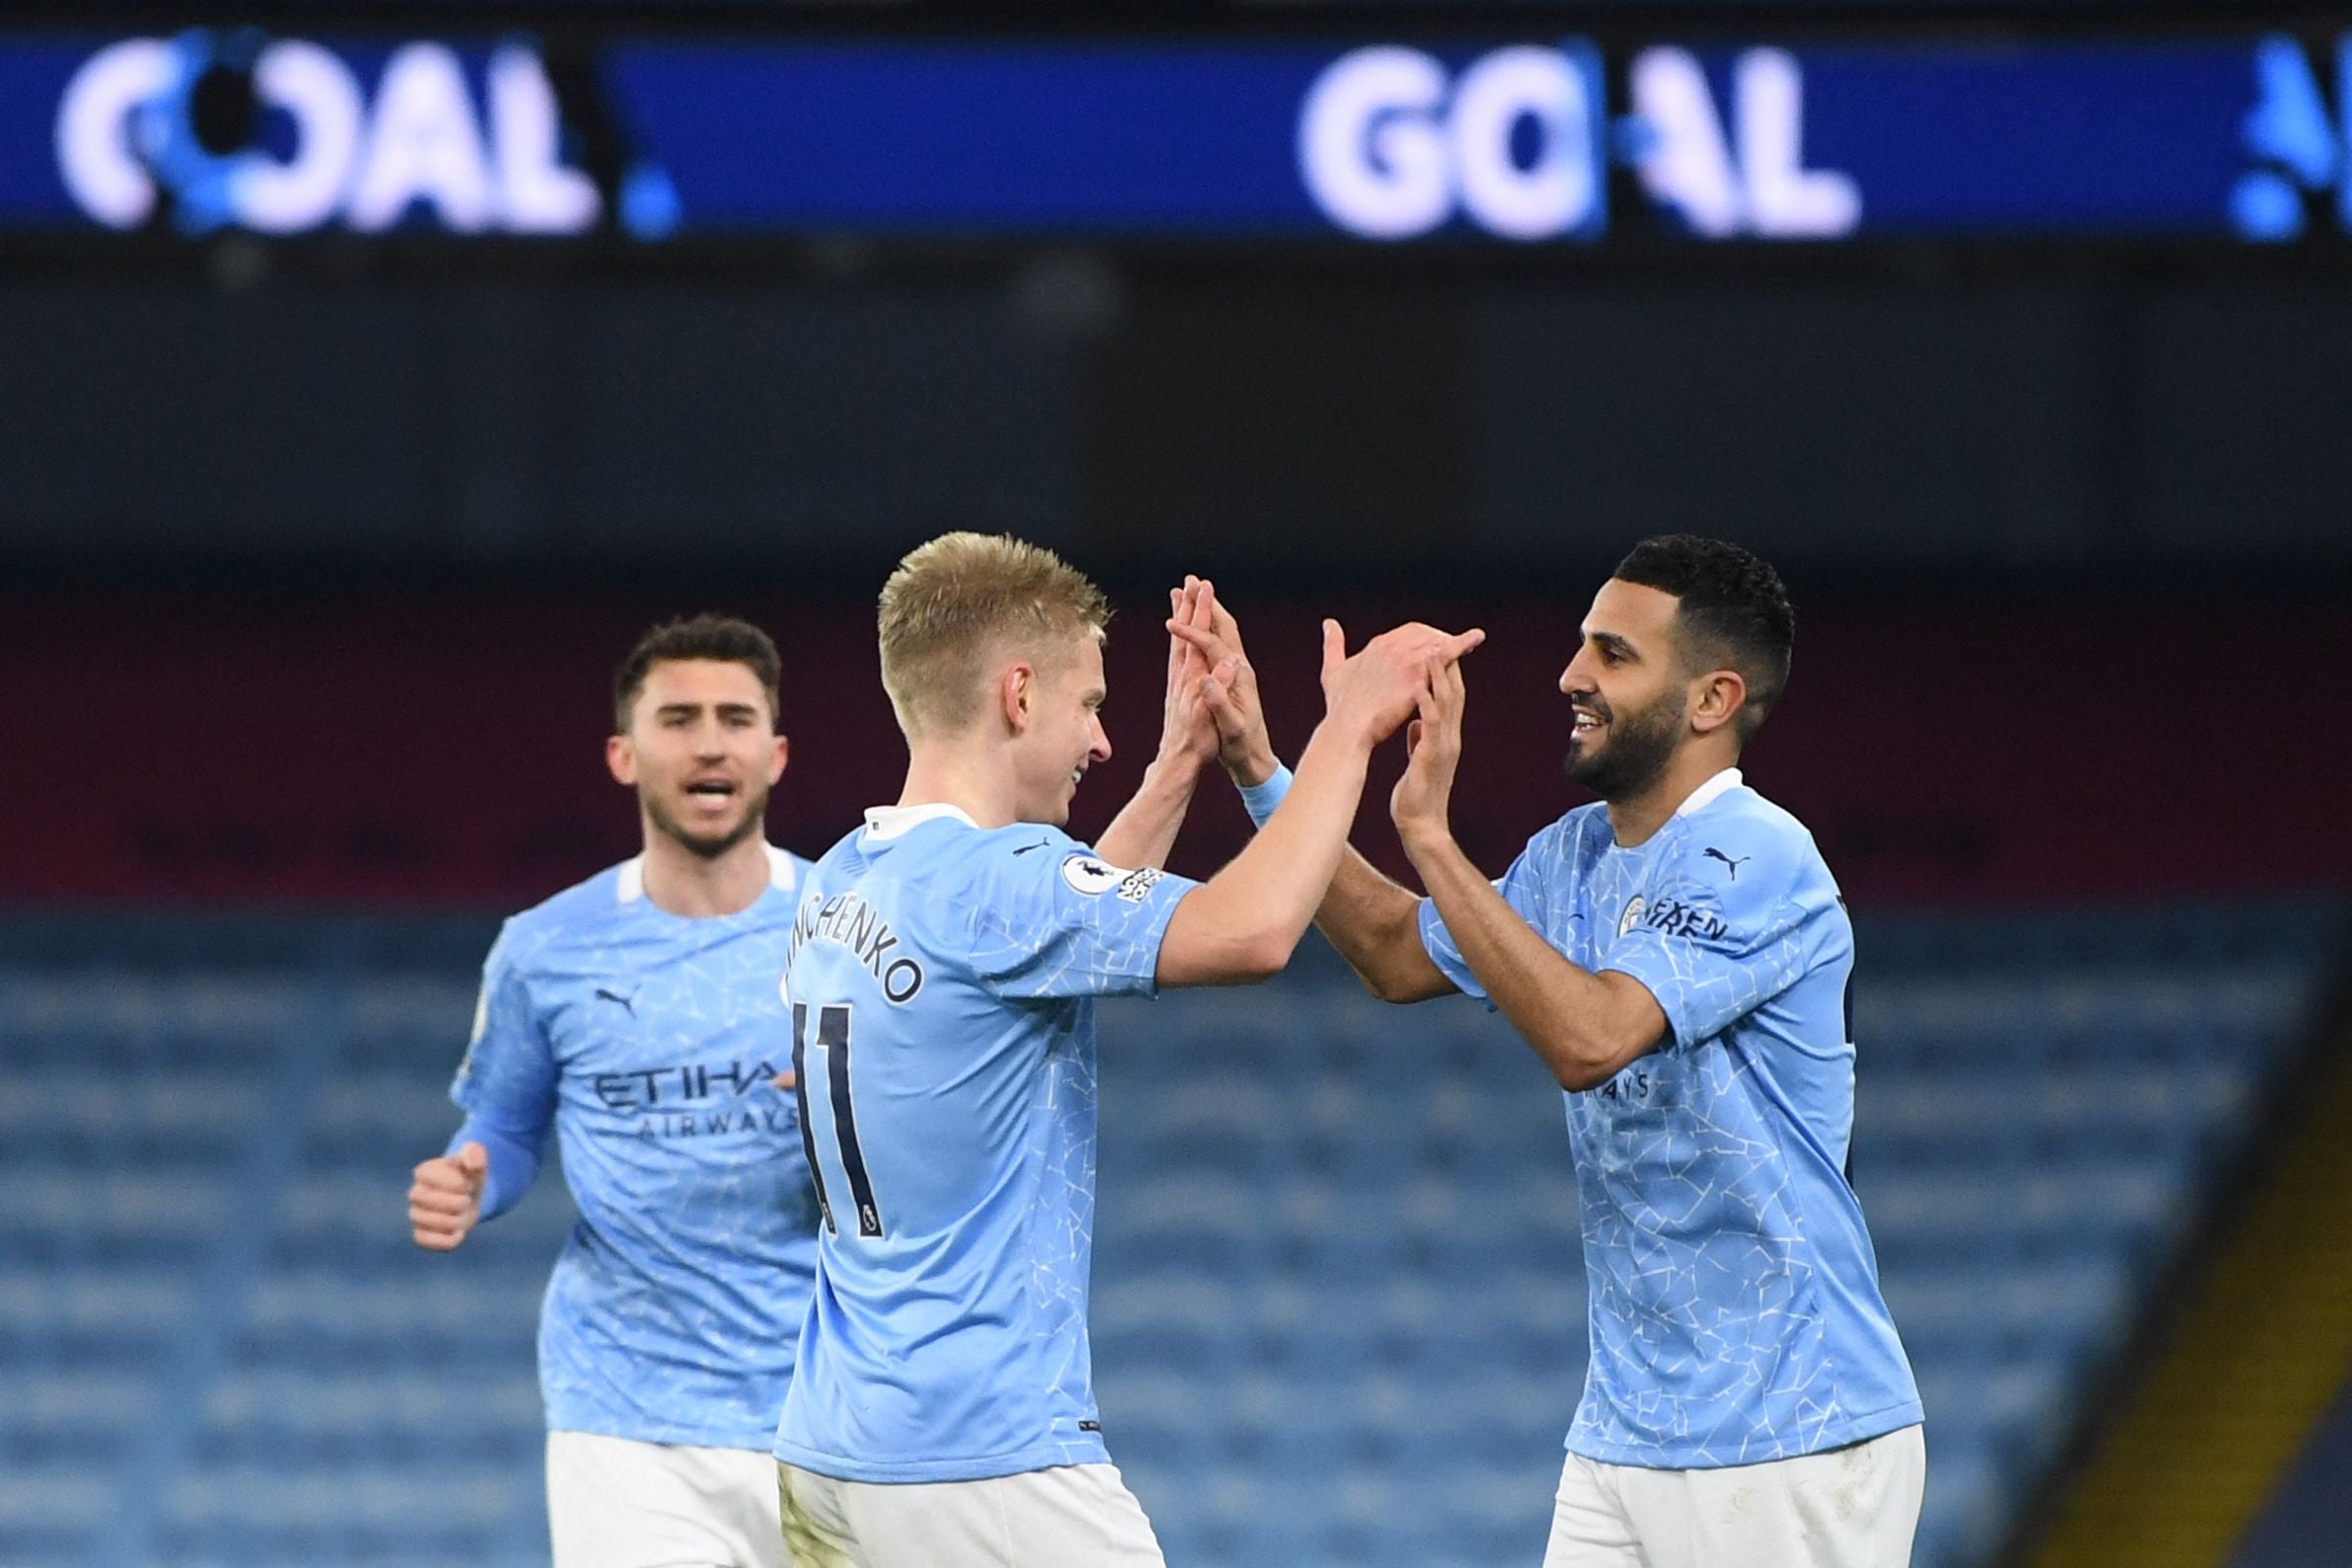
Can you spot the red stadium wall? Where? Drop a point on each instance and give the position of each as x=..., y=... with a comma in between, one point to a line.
x=449, y=753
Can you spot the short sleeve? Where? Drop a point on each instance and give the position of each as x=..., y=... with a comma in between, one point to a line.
x=1722, y=933
x=508, y=1079
x=1523, y=887
x=1055, y=920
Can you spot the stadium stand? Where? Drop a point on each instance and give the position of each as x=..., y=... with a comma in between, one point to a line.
x=2239, y=1368
x=1339, y=1305
x=2302, y=1525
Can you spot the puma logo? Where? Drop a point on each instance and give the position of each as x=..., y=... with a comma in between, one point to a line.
x=628, y=1003
x=1735, y=865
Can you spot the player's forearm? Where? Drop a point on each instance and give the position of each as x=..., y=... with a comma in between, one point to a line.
x=1373, y=923
x=1376, y=924
x=1583, y=1027
x=1249, y=758
x=1269, y=893
x=1145, y=828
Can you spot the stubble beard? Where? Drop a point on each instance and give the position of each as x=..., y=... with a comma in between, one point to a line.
x=1639, y=749
x=709, y=846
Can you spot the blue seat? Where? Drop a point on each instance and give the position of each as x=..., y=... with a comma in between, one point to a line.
x=1338, y=1294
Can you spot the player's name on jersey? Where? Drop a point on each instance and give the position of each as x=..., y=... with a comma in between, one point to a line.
x=857, y=926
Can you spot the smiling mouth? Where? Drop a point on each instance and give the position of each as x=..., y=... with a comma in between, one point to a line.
x=712, y=790
x=1587, y=725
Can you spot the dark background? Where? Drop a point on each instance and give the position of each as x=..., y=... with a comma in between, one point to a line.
x=315, y=558
x=314, y=555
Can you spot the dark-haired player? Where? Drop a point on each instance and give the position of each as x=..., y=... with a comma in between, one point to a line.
x=638, y=1016
x=1678, y=956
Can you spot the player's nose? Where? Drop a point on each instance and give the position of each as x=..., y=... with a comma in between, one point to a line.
x=1100, y=750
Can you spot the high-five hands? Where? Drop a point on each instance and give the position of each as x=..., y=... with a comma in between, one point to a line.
x=445, y=1198
x=1386, y=683
x=1433, y=750
x=1384, y=680
x=1187, y=725
x=1230, y=699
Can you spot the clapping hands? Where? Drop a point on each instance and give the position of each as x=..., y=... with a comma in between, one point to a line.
x=1409, y=675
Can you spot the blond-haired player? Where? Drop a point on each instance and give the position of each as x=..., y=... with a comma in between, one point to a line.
x=944, y=963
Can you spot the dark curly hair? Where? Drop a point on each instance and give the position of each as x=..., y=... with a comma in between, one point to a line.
x=1734, y=611
x=714, y=637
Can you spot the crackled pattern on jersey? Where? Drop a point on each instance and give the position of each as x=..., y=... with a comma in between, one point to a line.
x=1710, y=1170
x=1061, y=1266
x=953, y=1344
x=648, y=1042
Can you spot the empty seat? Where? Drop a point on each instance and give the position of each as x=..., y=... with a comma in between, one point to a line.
x=1339, y=1304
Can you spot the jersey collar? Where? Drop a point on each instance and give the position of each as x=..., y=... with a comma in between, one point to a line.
x=1706, y=794
x=888, y=822
x=631, y=887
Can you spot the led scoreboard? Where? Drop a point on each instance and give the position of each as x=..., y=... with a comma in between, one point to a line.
x=1549, y=141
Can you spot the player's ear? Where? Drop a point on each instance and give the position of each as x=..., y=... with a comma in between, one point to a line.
x=778, y=762
x=621, y=757
x=1016, y=692
x=1722, y=693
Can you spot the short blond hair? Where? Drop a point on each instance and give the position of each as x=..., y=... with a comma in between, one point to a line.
x=955, y=602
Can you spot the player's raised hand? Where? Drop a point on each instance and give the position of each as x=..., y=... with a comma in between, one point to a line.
x=1381, y=686
x=1228, y=691
x=1188, y=730
x=445, y=1198
x=1433, y=750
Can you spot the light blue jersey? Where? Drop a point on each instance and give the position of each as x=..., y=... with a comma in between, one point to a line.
x=942, y=987
x=1736, y=1315
x=648, y=1041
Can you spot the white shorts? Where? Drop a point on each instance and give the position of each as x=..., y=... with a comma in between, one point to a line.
x=616, y=1503
x=1072, y=1516
x=1855, y=1507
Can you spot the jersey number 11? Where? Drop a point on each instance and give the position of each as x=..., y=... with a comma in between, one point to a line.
x=832, y=1038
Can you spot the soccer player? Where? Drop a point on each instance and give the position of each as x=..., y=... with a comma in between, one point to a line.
x=639, y=1015
x=943, y=974
x=1679, y=957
